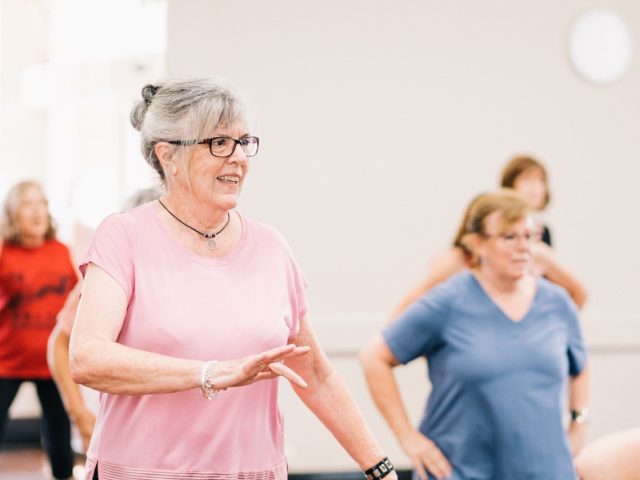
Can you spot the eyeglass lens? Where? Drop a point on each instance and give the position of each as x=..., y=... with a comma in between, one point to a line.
x=225, y=146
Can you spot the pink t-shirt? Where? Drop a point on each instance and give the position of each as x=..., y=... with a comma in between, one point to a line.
x=187, y=306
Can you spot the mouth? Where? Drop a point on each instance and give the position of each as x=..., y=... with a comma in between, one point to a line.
x=229, y=179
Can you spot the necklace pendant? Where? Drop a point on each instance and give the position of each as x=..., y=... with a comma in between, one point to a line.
x=211, y=244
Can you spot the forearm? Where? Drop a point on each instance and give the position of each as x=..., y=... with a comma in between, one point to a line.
x=59, y=366
x=334, y=406
x=554, y=271
x=328, y=398
x=578, y=402
x=386, y=395
x=114, y=368
x=579, y=389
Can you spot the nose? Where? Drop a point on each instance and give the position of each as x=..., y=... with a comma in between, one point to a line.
x=238, y=155
x=524, y=242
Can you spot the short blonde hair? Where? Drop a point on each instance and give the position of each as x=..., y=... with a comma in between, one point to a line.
x=9, y=227
x=508, y=202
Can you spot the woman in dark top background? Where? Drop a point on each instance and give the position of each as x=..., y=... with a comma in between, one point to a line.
x=529, y=177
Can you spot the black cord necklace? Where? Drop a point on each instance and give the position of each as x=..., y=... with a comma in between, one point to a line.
x=211, y=243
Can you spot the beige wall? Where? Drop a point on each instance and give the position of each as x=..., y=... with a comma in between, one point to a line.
x=379, y=120
x=23, y=131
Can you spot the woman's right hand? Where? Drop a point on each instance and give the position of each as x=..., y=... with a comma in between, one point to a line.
x=425, y=454
x=262, y=366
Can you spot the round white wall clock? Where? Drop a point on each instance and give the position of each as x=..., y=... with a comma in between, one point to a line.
x=600, y=46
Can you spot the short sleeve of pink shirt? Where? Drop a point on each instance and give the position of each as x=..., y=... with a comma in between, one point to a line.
x=187, y=306
x=111, y=250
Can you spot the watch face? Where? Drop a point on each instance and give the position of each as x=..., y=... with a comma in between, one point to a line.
x=600, y=46
x=580, y=415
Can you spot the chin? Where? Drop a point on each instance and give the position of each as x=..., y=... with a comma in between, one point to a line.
x=517, y=273
x=227, y=203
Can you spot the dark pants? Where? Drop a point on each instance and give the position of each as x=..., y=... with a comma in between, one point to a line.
x=56, y=429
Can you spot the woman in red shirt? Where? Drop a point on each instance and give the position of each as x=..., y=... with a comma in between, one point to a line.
x=36, y=275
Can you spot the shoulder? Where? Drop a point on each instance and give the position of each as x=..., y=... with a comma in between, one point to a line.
x=553, y=294
x=449, y=291
x=128, y=222
x=458, y=282
x=265, y=234
x=452, y=259
x=445, y=265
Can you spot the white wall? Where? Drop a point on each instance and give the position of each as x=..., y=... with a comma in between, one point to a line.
x=380, y=120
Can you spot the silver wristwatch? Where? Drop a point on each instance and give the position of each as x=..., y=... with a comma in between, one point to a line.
x=580, y=415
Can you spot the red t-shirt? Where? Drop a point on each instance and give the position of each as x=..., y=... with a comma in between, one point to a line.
x=34, y=283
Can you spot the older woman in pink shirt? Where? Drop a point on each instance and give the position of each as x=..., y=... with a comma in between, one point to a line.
x=187, y=300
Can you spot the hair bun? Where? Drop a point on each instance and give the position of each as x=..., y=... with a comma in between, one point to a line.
x=148, y=92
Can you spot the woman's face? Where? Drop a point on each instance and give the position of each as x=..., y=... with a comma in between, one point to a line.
x=531, y=184
x=32, y=216
x=507, y=250
x=218, y=181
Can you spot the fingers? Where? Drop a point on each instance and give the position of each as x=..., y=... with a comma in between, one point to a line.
x=275, y=354
x=426, y=456
x=265, y=376
x=247, y=370
x=417, y=466
x=280, y=353
x=298, y=351
x=287, y=373
x=436, y=462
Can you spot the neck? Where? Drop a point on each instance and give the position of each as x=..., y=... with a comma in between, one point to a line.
x=497, y=282
x=194, y=213
x=31, y=242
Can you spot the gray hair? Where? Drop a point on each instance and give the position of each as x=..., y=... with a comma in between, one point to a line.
x=9, y=227
x=183, y=110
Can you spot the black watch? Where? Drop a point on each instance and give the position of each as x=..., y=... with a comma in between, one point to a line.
x=380, y=470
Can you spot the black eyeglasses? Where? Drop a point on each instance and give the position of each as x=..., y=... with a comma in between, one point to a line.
x=224, y=147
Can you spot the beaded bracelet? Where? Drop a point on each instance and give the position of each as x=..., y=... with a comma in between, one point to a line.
x=206, y=387
x=380, y=470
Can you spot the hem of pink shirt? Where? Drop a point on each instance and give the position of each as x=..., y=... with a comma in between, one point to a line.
x=112, y=471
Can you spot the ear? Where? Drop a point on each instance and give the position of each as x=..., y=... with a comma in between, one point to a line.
x=163, y=151
x=474, y=242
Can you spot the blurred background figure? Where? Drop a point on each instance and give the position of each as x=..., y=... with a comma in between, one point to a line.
x=612, y=457
x=80, y=402
x=528, y=177
x=501, y=343
x=36, y=275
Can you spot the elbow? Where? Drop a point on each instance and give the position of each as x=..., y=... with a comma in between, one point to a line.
x=79, y=365
x=366, y=357
x=582, y=297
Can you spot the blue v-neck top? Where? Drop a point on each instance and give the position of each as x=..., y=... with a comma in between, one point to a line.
x=498, y=386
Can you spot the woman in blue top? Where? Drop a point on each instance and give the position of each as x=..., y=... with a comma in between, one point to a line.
x=501, y=344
